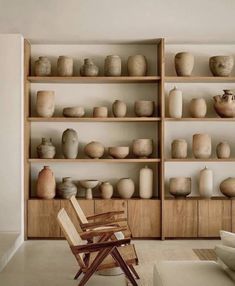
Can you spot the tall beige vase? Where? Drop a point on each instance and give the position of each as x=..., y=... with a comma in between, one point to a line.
x=198, y=108
x=201, y=146
x=45, y=103
x=206, y=183
x=146, y=183
x=175, y=103
x=184, y=63
x=46, y=185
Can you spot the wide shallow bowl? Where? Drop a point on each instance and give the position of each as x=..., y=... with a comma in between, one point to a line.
x=77, y=111
x=89, y=184
x=221, y=65
x=119, y=152
x=180, y=186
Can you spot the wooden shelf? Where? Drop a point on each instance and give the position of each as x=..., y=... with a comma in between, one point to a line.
x=199, y=198
x=134, y=160
x=217, y=119
x=99, y=79
x=200, y=160
x=91, y=119
x=200, y=79
x=94, y=198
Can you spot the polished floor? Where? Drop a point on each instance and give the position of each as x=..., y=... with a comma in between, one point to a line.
x=50, y=263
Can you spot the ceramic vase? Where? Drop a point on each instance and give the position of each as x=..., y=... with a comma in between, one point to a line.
x=100, y=112
x=66, y=189
x=146, y=183
x=106, y=190
x=179, y=149
x=94, y=150
x=119, y=108
x=65, y=66
x=46, y=185
x=206, y=183
x=201, y=146
x=184, y=63
x=144, y=108
x=89, y=68
x=46, y=150
x=221, y=65
x=113, y=66
x=45, y=103
x=223, y=150
x=126, y=188
x=227, y=187
x=142, y=148
x=224, y=105
x=137, y=65
x=180, y=186
x=70, y=144
x=198, y=108
x=175, y=103
x=42, y=67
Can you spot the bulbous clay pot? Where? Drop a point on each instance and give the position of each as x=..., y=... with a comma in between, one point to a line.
x=100, y=112
x=126, y=188
x=180, y=186
x=89, y=68
x=142, y=148
x=77, y=111
x=223, y=150
x=206, y=183
x=179, y=149
x=70, y=144
x=119, y=108
x=227, y=187
x=119, y=152
x=113, y=66
x=198, y=108
x=221, y=65
x=201, y=146
x=45, y=103
x=94, y=150
x=137, y=65
x=46, y=150
x=144, y=108
x=66, y=189
x=184, y=63
x=46, y=185
x=175, y=103
x=146, y=183
x=65, y=66
x=106, y=190
x=225, y=105
x=42, y=67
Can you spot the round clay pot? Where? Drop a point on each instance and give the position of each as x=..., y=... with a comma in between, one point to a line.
x=46, y=185
x=42, y=67
x=180, y=186
x=142, y=148
x=45, y=103
x=221, y=65
x=201, y=146
x=175, y=103
x=113, y=66
x=223, y=150
x=206, y=183
x=89, y=68
x=198, y=108
x=106, y=190
x=119, y=152
x=46, y=150
x=126, y=188
x=144, y=108
x=65, y=66
x=119, y=108
x=100, y=112
x=227, y=187
x=184, y=63
x=146, y=183
x=66, y=189
x=70, y=144
x=94, y=150
x=137, y=65
x=225, y=104
x=77, y=111
x=179, y=149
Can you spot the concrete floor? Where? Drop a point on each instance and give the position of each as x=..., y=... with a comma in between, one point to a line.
x=51, y=263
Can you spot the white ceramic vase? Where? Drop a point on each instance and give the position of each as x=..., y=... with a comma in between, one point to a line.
x=175, y=103
x=126, y=188
x=106, y=190
x=206, y=183
x=146, y=183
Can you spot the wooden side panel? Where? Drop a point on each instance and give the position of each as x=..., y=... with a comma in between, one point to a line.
x=233, y=215
x=180, y=218
x=86, y=205
x=144, y=218
x=102, y=206
x=213, y=216
x=42, y=218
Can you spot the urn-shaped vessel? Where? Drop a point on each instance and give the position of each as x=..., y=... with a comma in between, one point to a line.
x=70, y=144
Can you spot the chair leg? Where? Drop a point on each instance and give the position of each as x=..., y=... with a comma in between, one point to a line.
x=78, y=274
x=117, y=257
x=132, y=268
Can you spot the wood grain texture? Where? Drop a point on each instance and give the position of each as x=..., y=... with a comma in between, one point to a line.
x=102, y=206
x=87, y=160
x=199, y=79
x=94, y=119
x=213, y=216
x=42, y=218
x=144, y=218
x=233, y=215
x=181, y=218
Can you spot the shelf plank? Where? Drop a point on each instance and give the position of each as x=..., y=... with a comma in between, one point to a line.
x=85, y=160
x=230, y=160
x=217, y=119
x=199, y=198
x=200, y=79
x=91, y=119
x=99, y=79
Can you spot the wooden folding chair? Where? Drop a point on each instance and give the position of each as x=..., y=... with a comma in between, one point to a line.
x=92, y=257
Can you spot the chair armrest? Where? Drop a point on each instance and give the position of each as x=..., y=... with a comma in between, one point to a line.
x=105, y=215
x=101, y=223
x=99, y=232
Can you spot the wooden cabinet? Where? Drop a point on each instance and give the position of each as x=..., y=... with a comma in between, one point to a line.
x=144, y=218
x=180, y=218
x=213, y=215
x=102, y=206
x=42, y=218
x=233, y=215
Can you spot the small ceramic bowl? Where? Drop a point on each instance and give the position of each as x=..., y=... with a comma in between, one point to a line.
x=119, y=152
x=77, y=111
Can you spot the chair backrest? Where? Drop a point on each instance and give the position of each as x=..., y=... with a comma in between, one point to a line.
x=80, y=214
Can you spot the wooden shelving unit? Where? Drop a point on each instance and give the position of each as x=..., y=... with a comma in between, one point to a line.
x=85, y=160
x=92, y=119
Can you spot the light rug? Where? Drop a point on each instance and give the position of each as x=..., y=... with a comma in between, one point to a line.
x=205, y=254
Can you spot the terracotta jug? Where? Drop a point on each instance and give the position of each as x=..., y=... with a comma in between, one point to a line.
x=46, y=185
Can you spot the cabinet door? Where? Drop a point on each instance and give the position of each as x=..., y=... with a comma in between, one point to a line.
x=86, y=205
x=42, y=218
x=144, y=218
x=213, y=216
x=180, y=218
x=103, y=206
